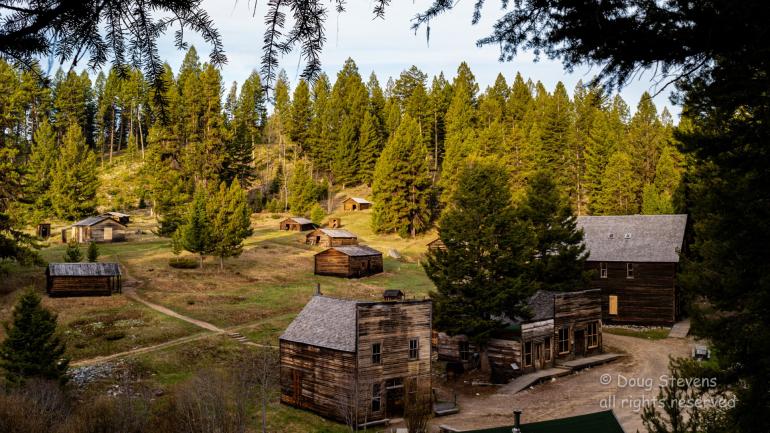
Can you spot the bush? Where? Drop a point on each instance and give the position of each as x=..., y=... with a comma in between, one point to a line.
x=317, y=214
x=274, y=205
x=183, y=262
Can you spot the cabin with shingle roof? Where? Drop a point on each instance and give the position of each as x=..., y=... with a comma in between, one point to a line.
x=83, y=279
x=297, y=224
x=355, y=361
x=356, y=203
x=561, y=326
x=635, y=259
x=331, y=238
x=119, y=216
x=102, y=228
x=351, y=261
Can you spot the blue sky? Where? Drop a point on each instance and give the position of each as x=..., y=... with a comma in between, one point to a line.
x=389, y=46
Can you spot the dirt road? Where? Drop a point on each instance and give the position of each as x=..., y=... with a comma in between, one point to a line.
x=622, y=386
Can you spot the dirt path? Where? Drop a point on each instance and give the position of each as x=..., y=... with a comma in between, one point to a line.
x=633, y=380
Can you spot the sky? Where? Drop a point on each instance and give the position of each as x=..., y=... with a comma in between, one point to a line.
x=389, y=46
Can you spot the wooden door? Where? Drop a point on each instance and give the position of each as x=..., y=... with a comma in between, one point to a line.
x=394, y=398
x=539, y=359
x=108, y=233
x=580, y=342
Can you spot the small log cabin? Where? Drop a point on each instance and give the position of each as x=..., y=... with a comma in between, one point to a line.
x=352, y=261
x=356, y=203
x=297, y=224
x=436, y=245
x=334, y=223
x=44, y=230
x=634, y=259
x=119, y=217
x=331, y=238
x=354, y=361
x=83, y=279
x=393, y=295
x=98, y=229
x=562, y=326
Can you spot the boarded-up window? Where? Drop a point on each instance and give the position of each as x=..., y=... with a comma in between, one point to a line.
x=547, y=346
x=592, y=334
x=414, y=348
x=376, y=353
x=465, y=351
x=629, y=270
x=563, y=340
x=603, y=270
x=108, y=233
x=613, y=304
x=527, y=353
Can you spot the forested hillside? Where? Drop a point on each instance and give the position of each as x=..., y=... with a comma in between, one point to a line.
x=406, y=139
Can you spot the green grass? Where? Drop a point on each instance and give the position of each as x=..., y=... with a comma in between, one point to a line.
x=648, y=333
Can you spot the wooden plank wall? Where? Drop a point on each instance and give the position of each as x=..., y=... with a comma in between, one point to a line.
x=332, y=263
x=393, y=324
x=575, y=311
x=325, y=374
x=77, y=286
x=650, y=298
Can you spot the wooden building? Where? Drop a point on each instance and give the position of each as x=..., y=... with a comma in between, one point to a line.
x=44, y=230
x=634, y=259
x=352, y=261
x=98, y=229
x=354, y=361
x=334, y=223
x=297, y=224
x=356, y=203
x=562, y=326
x=436, y=244
x=393, y=295
x=83, y=279
x=331, y=238
x=119, y=217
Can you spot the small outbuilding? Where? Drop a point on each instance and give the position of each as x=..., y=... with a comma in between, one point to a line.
x=352, y=261
x=297, y=224
x=119, y=217
x=44, y=230
x=436, y=245
x=393, y=295
x=356, y=203
x=334, y=223
x=102, y=228
x=331, y=238
x=83, y=279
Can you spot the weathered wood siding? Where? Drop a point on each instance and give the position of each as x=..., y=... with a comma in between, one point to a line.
x=81, y=286
x=351, y=205
x=317, y=237
x=575, y=311
x=291, y=225
x=335, y=263
x=96, y=232
x=392, y=325
x=502, y=353
x=650, y=298
x=448, y=348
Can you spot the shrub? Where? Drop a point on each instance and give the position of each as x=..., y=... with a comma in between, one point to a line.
x=183, y=262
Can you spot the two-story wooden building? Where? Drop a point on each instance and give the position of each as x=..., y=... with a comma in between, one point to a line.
x=354, y=361
x=635, y=259
x=561, y=327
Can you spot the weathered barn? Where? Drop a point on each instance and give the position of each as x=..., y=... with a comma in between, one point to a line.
x=436, y=245
x=635, y=260
x=331, y=238
x=297, y=224
x=356, y=203
x=98, y=229
x=119, y=217
x=44, y=230
x=83, y=279
x=355, y=361
x=352, y=261
x=562, y=326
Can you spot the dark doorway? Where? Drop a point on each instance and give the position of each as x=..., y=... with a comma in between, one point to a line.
x=354, y=207
x=580, y=342
x=394, y=398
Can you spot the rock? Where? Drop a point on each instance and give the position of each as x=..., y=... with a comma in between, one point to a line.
x=394, y=254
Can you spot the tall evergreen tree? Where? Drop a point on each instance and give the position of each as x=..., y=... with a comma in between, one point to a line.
x=73, y=187
x=40, y=169
x=195, y=235
x=401, y=186
x=32, y=348
x=72, y=253
x=555, y=138
x=301, y=116
x=618, y=188
x=303, y=192
x=230, y=221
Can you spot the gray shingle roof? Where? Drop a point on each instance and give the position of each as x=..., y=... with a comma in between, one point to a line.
x=325, y=322
x=91, y=221
x=541, y=305
x=356, y=250
x=83, y=269
x=300, y=220
x=360, y=200
x=633, y=238
x=338, y=233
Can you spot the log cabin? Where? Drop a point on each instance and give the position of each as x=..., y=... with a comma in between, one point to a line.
x=561, y=327
x=331, y=238
x=83, y=279
x=393, y=295
x=634, y=259
x=351, y=261
x=98, y=229
x=334, y=223
x=356, y=203
x=119, y=217
x=353, y=361
x=436, y=245
x=297, y=224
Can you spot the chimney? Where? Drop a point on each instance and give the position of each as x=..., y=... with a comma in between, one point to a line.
x=516, y=421
x=317, y=289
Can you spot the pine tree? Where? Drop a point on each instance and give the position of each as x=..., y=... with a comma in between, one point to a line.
x=371, y=145
x=481, y=276
x=303, y=192
x=74, y=183
x=72, y=253
x=195, y=235
x=645, y=140
x=32, y=348
x=301, y=116
x=317, y=214
x=320, y=145
x=618, y=188
x=401, y=186
x=347, y=107
x=93, y=252
x=558, y=260
x=439, y=98
x=555, y=138
x=249, y=122
x=40, y=169
x=230, y=222
x=520, y=156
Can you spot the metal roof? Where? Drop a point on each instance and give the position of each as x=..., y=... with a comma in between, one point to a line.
x=355, y=250
x=92, y=220
x=83, y=269
x=359, y=200
x=338, y=233
x=300, y=220
x=117, y=214
x=633, y=238
x=325, y=322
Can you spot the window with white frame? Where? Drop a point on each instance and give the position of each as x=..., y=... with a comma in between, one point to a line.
x=376, y=397
x=527, y=353
x=465, y=351
x=603, y=270
x=376, y=353
x=414, y=348
x=592, y=334
x=563, y=340
x=630, y=270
